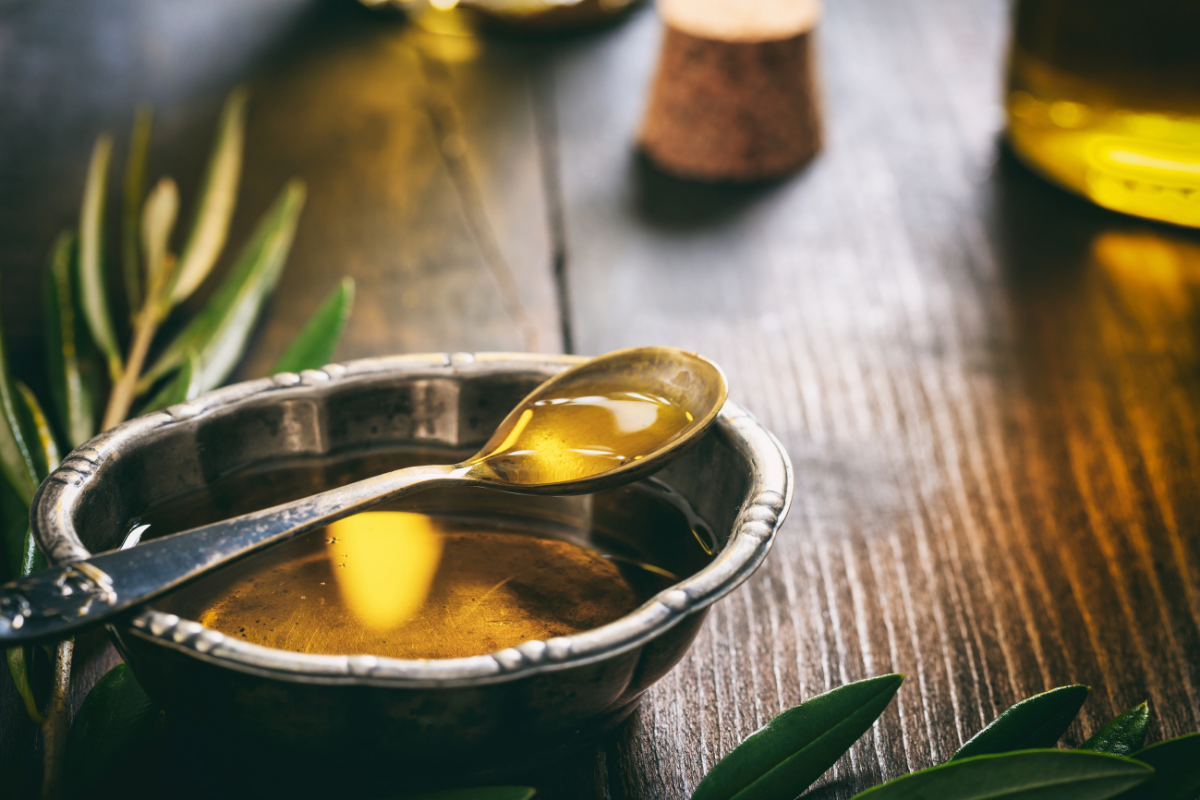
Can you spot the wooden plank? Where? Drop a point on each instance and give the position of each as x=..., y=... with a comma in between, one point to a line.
x=988, y=388
x=421, y=163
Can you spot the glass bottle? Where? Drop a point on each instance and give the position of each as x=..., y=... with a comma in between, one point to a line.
x=1103, y=98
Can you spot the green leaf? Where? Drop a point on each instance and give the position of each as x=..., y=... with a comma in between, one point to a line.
x=1176, y=765
x=215, y=203
x=19, y=449
x=1037, y=721
x=314, y=346
x=72, y=388
x=158, y=220
x=20, y=664
x=131, y=212
x=115, y=719
x=30, y=558
x=183, y=386
x=92, y=285
x=47, y=456
x=785, y=756
x=218, y=334
x=1026, y=774
x=482, y=793
x=1123, y=735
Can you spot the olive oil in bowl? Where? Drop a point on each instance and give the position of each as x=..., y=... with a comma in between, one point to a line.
x=447, y=573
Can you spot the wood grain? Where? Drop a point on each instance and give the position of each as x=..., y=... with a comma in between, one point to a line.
x=988, y=387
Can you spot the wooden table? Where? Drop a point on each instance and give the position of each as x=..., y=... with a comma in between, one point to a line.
x=988, y=387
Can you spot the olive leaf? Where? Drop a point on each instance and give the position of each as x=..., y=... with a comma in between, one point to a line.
x=1176, y=765
x=1123, y=735
x=30, y=559
x=93, y=291
x=72, y=384
x=135, y=190
x=158, y=220
x=19, y=450
x=1025, y=774
x=183, y=386
x=218, y=334
x=1037, y=721
x=315, y=344
x=116, y=717
x=216, y=201
x=796, y=747
x=20, y=666
x=482, y=793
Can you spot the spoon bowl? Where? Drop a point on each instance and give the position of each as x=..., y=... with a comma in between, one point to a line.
x=601, y=424
x=611, y=420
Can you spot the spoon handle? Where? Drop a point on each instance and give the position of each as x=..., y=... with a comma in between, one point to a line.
x=53, y=603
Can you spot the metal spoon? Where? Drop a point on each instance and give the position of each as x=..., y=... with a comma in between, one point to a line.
x=598, y=425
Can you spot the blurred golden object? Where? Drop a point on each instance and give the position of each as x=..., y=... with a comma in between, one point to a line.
x=395, y=556
x=463, y=17
x=1104, y=99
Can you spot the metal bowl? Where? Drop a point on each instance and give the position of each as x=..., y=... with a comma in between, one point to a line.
x=487, y=714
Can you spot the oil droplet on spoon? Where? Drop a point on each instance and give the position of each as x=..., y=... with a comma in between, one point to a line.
x=584, y=431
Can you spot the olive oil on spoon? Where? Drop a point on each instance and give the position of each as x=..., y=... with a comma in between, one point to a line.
x=601, y=424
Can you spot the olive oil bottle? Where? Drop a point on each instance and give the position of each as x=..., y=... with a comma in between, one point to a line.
x=1103, y=98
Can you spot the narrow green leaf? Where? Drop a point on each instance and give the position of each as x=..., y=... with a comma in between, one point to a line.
x=785, y=756
x=314, y=346
x=183, y=386
x=48, y=458
x=158, y=220
x=1037, y=721
x=218, y=334
x=481, y=793
x=131, y=213
x=1123, y=735
x=216, y=201
x=19, y=448
x=1025, y=774
x=20, y=660
x=72, y=389
x=91, y=256
x=115, y=719
x=1176, y=765
x=20, y=663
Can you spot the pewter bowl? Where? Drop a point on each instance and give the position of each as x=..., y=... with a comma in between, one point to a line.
x=488, y=714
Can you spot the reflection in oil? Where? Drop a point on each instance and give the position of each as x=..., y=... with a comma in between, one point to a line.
x=384, y=563
x=409, y=585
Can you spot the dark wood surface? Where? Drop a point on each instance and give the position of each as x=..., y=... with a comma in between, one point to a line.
x=988, y=387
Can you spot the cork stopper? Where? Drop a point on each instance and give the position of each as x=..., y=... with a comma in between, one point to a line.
x=735, y=95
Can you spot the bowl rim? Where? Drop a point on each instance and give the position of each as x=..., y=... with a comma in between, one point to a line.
x=753, y=533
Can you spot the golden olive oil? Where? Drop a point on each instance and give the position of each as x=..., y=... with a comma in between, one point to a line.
x=568, y=436
x=446, y=573
x=1104, y=98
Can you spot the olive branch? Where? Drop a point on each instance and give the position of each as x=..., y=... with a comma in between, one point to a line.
x=91, y=372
